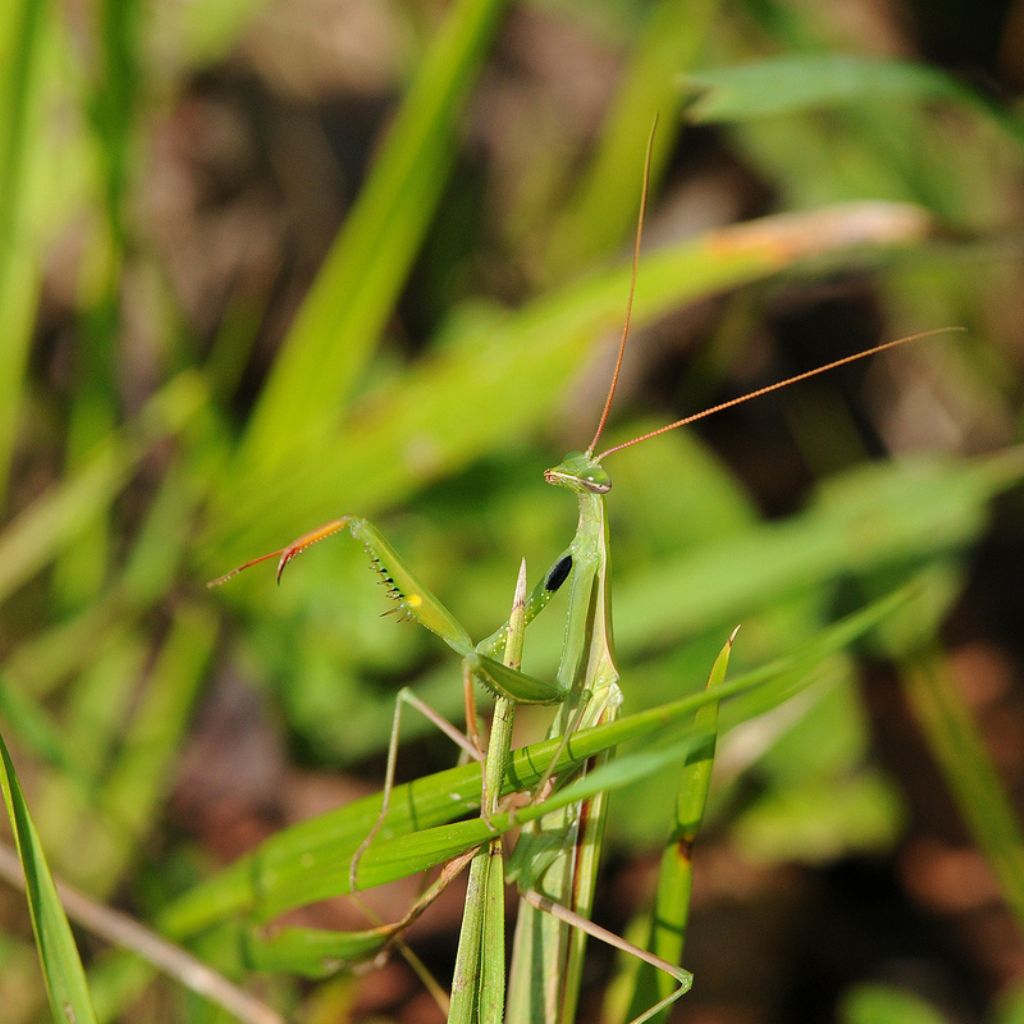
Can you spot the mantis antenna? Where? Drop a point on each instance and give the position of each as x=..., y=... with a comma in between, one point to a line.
x=777, y=386
x=632, y=290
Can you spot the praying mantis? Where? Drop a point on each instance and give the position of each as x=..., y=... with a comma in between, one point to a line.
x=556, y=858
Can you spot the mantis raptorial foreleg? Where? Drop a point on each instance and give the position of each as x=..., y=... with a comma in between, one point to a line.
x=416, y=602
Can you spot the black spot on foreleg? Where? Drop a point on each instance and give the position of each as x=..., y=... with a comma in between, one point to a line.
x=559, y=572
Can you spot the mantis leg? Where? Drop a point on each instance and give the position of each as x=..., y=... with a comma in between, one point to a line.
x=587, y=927
x=536, y=602
x=416, y=602
x=404, y=697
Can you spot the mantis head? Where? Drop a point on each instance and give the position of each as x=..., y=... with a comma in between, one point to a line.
x=580, y=472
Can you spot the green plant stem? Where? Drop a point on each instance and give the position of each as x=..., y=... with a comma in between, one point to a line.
x=478, y=985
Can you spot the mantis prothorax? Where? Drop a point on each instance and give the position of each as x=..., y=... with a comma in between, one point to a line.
x=557, y=873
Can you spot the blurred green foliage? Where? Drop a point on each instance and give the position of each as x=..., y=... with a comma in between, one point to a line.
x=256, y=272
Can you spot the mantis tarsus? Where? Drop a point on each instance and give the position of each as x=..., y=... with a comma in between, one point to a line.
x=558, y=876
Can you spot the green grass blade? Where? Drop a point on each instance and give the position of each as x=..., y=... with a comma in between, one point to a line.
x=209, y=31
x=1010, y=1008
x=491, y=999
x=310, y=952
x=42, y=529
x=671, y=911
x=670, y=41
x=341, y=319
x=792, y=84
x=62, y=968
x=151, y=740
x=36, y=731
x=431, y=846
x=42, y=661
x=22, y=35
x=318, y=952
x=299, y=864
x=470, y=958
x=969, y=772
x=390, y=859
x=109, y=100
x=886, y=1004
x=112, y=104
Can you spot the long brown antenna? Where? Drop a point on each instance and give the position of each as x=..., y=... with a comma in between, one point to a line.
x=632, y=289
x=777, y=386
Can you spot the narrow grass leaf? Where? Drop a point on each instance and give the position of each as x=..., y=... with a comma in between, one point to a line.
x=478, y=981
x=886, y=1004
x=446, y=841
x=392, y=859
x=311, y=952
x=492, y=970
x=969, y=772
x=152, y=739
x=60, y=514
x=469, y=959
x=670, y=40
x=41, y=662
x=109, y=96
x=671, y=910
x=62, y=968
x=23, y=26
x=35, y=730
x=341, y=319
x=791, y=84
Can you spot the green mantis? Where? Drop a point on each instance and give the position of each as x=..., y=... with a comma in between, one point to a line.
x=556, y=859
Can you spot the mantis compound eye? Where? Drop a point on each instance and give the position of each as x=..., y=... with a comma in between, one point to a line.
x=597, y=486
